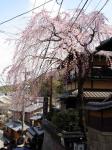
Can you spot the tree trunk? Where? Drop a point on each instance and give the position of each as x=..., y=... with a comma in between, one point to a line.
x=45, y=107
x=50, y=102
x=80, y=99
x=23, y=117
x=81, y=80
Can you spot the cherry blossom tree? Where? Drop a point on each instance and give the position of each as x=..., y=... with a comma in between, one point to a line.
x=48, y=40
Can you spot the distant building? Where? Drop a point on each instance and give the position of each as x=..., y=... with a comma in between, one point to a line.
x=30, y=109
x=5, y=103
x=13, y=129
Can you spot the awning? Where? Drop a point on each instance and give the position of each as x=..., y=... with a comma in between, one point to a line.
x=31, y=131
x=97, y=94
x=29, y=135
x=36, y=117
x=89, y=94
x=94, y=94
x=38, y=130
x=16, y=126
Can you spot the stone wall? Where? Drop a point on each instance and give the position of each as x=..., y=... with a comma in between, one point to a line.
x=51, y=143
x=98, y=140
x=51, y=140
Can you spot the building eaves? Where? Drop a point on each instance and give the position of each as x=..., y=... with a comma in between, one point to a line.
x=105, y=45
x=98, y=105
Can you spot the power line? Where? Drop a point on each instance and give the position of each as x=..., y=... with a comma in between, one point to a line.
x=94, y=9
x=76, y=9
x=24, y=13
x=41, y=64
x=86, y=7
x=95, y=16
x=44, y=5
x=60, y=7
x=34, y=5
x=80, y=12
x=88, y=4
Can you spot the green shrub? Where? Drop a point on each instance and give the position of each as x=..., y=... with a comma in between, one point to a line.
x=67, y=120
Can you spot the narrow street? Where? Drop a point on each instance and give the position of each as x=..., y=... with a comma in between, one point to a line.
x=1, y=140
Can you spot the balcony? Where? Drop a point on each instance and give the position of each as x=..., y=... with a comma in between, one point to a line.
x=97, y=73
x=100, y=73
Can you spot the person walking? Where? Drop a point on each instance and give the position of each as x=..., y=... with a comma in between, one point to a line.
x=20, y=144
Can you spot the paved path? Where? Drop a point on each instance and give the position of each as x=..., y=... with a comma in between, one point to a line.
x=1, y=141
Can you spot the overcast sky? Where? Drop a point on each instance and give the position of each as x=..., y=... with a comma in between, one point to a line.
x=10, y=30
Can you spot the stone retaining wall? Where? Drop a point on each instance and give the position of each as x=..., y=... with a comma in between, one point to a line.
x=98, y=140
x=51, y=140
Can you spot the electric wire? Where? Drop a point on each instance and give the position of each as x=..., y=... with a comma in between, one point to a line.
x=97, y=13
x=79, y=12
x=34, y=5
x=88, y=5
x=76, y=9
x=1, y=23
x=60, y=7
x=95, y=16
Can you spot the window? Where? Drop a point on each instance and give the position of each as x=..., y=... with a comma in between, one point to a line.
x=72, y=74
x=75, y=146
x=101, y=72
x=80, y=147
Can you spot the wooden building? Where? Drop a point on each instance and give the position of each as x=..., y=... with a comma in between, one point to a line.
x=55, y=140
x=99, y=122
x=97, y=86
x=29, y=111
x=70, y=100
x=36, y=120
x=13, y=129
x=5, y=103
x=99, y=114
x=100, y=76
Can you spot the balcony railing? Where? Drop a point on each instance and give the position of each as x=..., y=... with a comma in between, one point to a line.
x=96, y=73
x=100, y=73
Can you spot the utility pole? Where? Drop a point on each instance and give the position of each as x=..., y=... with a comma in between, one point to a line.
x=50, y=103
x=45, y=106
x=23, y=104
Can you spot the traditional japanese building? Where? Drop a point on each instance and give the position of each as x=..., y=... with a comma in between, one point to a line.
x=29, y=110
x=97, y=86
x=99, y=122
x=99, y=114
x=13, y=129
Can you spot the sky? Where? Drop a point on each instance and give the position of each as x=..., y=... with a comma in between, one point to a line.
x=9, y=31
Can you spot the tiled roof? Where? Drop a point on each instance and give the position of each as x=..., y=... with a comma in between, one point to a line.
x=95, y=94
x=89, y=94
x=31, y=132
x=105, y=45
x=30, y=108
x=38, y=104
x=36, y=117
x=16, y=126
x=98, y=105
x=5, y=100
